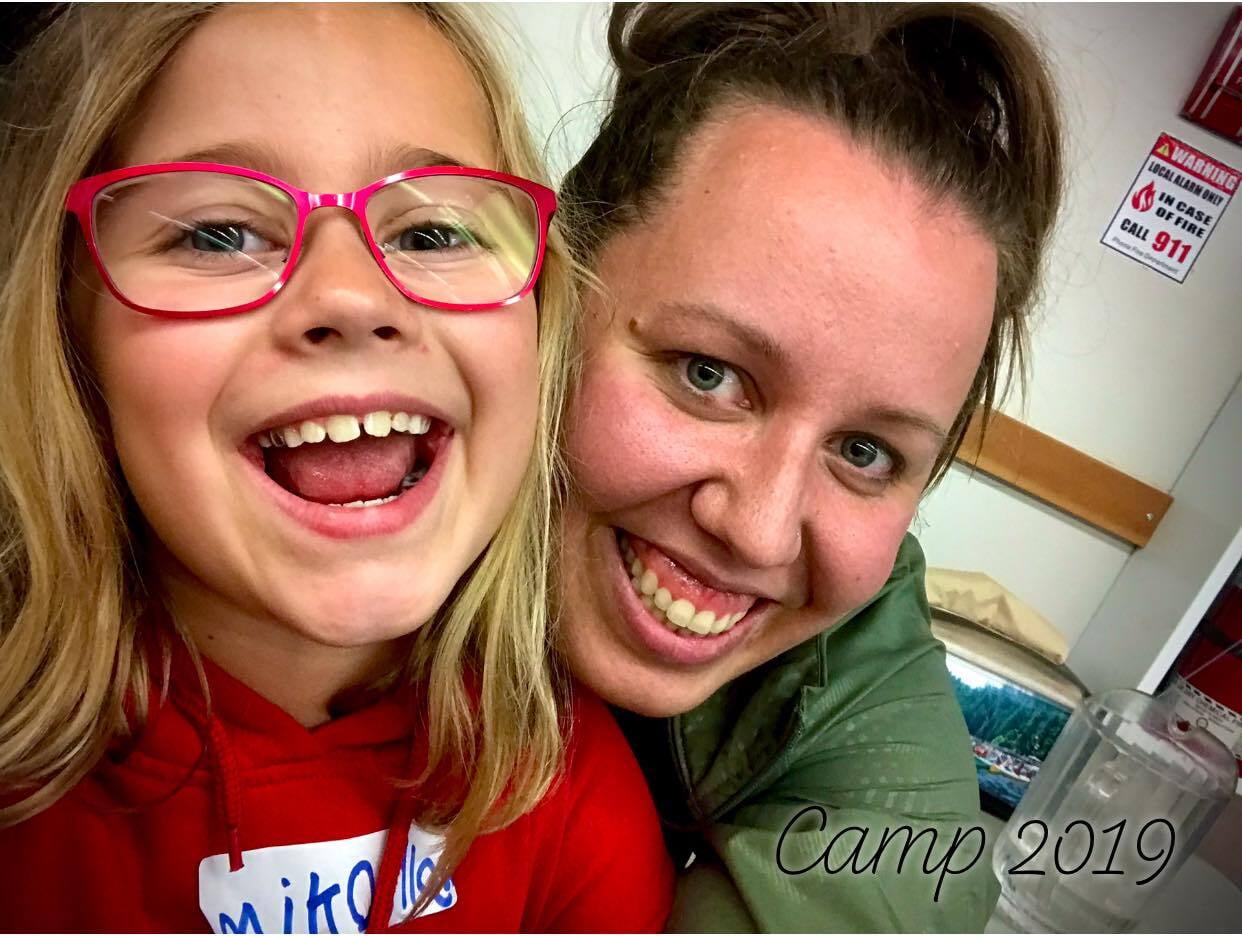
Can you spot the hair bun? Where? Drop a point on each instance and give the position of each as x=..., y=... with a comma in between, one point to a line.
x=644, y=37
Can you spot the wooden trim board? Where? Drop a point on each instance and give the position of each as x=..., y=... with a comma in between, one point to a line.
x=1065, y=478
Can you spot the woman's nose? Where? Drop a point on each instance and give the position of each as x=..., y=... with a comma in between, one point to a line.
x=756, y=503
x=338, y=297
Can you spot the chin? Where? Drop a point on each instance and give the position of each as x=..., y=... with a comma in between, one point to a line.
x=663, y=706
x=359, y=619
x=637, y=690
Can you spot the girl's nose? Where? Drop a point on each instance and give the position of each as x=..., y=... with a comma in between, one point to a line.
x=338, y=297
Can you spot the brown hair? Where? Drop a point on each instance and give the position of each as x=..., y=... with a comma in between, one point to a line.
x=956, y=92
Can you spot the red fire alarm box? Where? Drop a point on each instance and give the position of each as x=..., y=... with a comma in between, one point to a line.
x=1215, y=102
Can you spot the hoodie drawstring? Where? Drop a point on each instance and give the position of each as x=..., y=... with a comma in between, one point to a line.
x=390, y=866
x=393, y=855
x=227, y=788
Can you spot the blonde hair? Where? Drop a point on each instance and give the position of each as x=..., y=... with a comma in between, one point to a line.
x=71, y=595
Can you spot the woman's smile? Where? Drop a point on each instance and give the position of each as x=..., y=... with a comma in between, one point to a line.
x=674, y=613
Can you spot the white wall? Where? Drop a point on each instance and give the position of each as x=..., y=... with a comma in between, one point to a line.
x=562, y=59
x=1127, y=365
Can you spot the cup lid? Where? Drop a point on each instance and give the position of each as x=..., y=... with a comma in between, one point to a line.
x=1149, y=730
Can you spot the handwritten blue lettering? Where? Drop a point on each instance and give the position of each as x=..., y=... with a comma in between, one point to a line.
x=316, y=900
x=360, y=918
x=424, y=869
x=446, y=895
x=284, y=882
x=248, y=921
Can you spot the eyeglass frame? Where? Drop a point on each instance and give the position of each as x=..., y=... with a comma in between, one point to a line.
x=80, y=202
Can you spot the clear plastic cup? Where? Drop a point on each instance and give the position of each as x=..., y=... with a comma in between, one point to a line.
x=1121, y=801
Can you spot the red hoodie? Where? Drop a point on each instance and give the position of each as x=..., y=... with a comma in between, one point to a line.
x=245, y=821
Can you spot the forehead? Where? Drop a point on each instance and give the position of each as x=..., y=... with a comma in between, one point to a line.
x=325, y=87
x=786, y=221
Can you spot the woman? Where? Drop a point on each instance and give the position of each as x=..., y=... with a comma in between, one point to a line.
x=817, y=231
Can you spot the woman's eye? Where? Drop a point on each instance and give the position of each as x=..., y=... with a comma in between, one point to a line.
x=868, y=455
x=708, y=377
x=705, y=374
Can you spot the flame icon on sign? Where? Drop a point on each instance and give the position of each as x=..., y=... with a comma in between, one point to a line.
x=1143, y=198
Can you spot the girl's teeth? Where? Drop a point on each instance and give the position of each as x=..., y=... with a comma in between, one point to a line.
x=312, y=431
x=345, y=428
x=677, y=615
x=377, y=424
x=342, y=428
x=370, y=503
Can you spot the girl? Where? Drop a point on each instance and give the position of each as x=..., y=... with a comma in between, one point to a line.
x=273, y=636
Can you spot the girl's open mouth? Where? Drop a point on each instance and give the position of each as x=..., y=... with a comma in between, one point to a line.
x=348, y=475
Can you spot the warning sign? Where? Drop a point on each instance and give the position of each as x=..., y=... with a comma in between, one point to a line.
x=1173, y=204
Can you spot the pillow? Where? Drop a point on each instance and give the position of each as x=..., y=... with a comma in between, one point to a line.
x=981, y=599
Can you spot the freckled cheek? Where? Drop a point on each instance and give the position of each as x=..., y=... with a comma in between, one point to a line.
x=497, y=356
x=627, y=443
x=160, y=379
x=855, y=552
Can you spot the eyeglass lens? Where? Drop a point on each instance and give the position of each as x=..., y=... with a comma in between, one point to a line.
x=192, y=241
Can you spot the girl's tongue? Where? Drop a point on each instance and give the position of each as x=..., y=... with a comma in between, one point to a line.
x=343, y=472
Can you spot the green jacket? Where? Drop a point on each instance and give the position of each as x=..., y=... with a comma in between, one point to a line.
x=858, y=727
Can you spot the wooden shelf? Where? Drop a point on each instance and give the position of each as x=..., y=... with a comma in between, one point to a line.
x=1065, y=478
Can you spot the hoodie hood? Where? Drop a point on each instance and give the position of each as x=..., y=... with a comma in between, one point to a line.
x=232, y=744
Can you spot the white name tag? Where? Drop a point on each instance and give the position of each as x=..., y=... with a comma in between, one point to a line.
x=316, y=887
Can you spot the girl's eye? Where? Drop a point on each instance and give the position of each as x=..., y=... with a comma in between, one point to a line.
x=869, y=456
x=434, y=237
x=711, y=378
x=224, y=238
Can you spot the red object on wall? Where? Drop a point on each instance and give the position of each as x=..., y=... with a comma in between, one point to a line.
x=1207, y=686
x=1215, y=102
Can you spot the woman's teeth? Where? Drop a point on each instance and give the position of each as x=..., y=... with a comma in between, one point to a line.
x=677, y=614
x=344, y=429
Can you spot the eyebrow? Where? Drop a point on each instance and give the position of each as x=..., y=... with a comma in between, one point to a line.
x=399, y=158
x=236, y=153
x=745, y=334
x=907, y=417
x=265, y=159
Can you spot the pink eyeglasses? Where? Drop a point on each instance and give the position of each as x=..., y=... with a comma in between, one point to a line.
x=191, y=240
